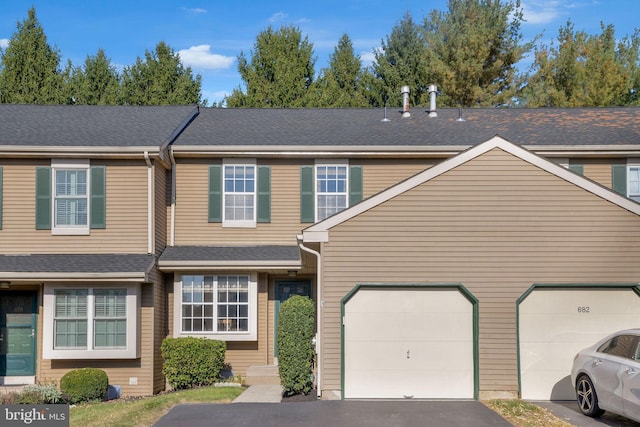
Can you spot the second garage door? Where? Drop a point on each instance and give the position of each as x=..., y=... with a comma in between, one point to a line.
x=555, y=323
x=408, y=342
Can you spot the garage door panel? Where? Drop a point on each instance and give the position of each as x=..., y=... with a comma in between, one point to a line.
x=554, y=324
x=404, y=343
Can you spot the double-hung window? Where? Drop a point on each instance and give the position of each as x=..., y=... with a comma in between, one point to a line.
x=239, y=194
x=217, y=305
x=331, y=190
x=91, y=322
x=633, y=183
x=70, y=197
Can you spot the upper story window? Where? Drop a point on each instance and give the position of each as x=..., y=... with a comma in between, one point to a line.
x=70, y=197
x=223, y=306
x=239, y=194
x=91, y=322
x=327, y=188
x=331, y=190
x=633, y=183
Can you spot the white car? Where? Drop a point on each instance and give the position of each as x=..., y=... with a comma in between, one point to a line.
x=606, y=376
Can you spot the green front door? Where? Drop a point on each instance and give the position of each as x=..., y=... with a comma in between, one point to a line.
x=18, y=311
x=284, y=290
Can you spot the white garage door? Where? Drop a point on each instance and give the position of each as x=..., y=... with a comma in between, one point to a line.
x=408, y=343
x=554, y=324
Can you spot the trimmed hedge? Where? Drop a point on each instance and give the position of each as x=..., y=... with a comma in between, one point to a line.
x=84, y=385
x=191, y=362
x=295, y=349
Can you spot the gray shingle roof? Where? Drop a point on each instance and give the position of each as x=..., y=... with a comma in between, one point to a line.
x=363, y=127
x=88, y=126
x=76, y=263
x=230, y=253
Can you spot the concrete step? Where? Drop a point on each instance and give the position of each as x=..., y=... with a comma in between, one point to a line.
x=262, y=375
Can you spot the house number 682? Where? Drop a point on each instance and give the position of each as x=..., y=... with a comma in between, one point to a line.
x=583, y=309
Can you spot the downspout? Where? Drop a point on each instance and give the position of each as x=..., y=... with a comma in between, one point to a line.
x=172, y=225
x=149, y=203
x=319, y=304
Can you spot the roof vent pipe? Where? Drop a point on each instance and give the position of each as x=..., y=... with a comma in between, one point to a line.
x=433, y=92
x=405, y=101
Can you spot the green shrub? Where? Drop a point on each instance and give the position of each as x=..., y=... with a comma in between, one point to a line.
x=295, y=349
x=37, y=394
x=84, y=385
x=191, y=362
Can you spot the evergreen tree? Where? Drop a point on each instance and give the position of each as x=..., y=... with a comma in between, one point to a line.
x=98, y=83
x=279, y=73
x=585, y=70
x=160, y=79
x=472, y=52
x=401, y=61
x=341, y=85
x=29, y=69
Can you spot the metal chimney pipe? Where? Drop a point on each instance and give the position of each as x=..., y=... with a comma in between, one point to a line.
x=433, y=92
x=405, y=101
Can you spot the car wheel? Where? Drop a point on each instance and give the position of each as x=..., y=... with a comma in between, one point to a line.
x=587, y=397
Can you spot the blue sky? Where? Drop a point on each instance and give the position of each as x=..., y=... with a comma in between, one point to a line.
x=209, y=34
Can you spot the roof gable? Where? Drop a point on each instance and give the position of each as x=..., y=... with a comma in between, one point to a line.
x=319, y=231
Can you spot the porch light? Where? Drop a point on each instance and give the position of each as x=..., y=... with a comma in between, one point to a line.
x=4, y=284
x=290, y=273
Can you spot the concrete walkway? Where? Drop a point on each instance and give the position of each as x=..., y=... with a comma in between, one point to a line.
x=261, y=393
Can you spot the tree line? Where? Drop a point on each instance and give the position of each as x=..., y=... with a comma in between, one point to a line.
x=471, y=52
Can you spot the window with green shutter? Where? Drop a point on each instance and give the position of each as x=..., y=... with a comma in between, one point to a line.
x=576, y=168
x=355, y=185
x=98, y=207
x=307, y=205
x=43, y=198
x=264, y=194
x=1, y=197
x=215, y=193
x=619, y=178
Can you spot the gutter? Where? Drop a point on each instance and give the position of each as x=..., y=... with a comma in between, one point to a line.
x=150, y=198
x=172, y=220
x=319, y=304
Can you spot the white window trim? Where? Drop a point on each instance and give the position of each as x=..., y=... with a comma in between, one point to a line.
x=328, y=162
x=69, y=164
x=631, y=163
x=132, y=348
x=250, y=335
x=244, y=223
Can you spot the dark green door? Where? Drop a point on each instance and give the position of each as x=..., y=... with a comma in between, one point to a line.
x=284, y=290
x=18, y=311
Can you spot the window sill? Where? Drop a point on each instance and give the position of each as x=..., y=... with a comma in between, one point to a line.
x=245, y=336
x=70, y=231
x=90, y=354
x=239, y=224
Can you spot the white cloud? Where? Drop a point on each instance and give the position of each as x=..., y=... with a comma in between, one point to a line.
x=545, y=11
x=277, y=17
x=4, y=43
x=195, y=10
x=367, y=58
x=201, y=57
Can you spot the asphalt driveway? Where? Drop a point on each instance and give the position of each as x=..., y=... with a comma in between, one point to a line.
x=335, y=413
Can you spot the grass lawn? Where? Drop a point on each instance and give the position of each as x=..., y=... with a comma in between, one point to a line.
x=524, y=414
x=145, y=411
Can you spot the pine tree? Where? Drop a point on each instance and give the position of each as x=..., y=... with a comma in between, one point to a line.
x=279, y=72
x=97, y=83
x=160, y=79
x=29, y=69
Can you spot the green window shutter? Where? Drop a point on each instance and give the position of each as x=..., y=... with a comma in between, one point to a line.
x=619, y=179
x=264, y=194
x=307, y=205
x=98, y=197
x=215, y=193
x=0, y=197
x=579, y=169
x=43, y=198
x=355, y=185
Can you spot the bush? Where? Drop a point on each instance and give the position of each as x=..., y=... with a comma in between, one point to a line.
x=295, y=349
x=191, y=362
x=39, y=394
x=84, y=385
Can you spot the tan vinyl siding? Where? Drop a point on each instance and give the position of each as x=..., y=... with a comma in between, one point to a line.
x=598, y=170
x=193, y=228
x=495, y=224
x=126, y=230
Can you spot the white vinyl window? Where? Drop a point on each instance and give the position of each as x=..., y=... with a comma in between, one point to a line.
x=217, y=305
x=239, y=201
x=70, y=197
x=331, y=190
x=633, y=183
x=91, y=322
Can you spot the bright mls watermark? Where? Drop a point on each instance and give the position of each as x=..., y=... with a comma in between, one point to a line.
x=34, y=415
